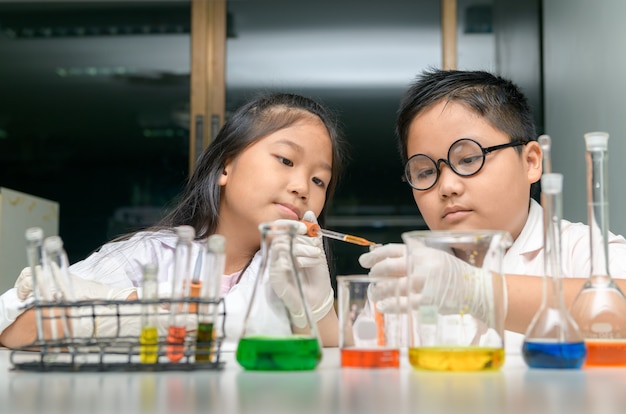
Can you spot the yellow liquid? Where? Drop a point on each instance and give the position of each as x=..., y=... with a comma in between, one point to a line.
x=456, y=358
x=148, y=345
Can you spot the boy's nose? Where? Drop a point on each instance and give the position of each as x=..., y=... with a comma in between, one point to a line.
x=449, y=182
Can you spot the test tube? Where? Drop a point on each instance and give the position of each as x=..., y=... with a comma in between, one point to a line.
x=149, y=338
x=179, y=308
x=207, y=316
x=58, y=266
x=34, y=252
x=545, y=142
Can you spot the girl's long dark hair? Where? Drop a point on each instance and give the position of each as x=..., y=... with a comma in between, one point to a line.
x=198, y=205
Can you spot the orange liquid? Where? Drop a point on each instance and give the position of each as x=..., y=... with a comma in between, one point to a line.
x=175, y=349
x=609, y=353
x=358, y=240
x=370, y=358
x=194, y=292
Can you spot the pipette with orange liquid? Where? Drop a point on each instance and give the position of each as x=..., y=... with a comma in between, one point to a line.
x=314, y=230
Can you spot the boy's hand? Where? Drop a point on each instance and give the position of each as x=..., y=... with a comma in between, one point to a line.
x=434, y=277
x=387, y=260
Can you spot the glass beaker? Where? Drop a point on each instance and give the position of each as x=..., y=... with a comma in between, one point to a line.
x=600, y=306
x=278, y=333
x=553, y=339
x=456, y=299
x=368, y=337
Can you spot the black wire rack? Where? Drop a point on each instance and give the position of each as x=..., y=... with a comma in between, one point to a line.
x=120, y=347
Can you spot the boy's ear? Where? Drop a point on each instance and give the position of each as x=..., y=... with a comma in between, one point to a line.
x=534, y=158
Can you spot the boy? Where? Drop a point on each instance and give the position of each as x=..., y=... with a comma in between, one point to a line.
x=444, y=112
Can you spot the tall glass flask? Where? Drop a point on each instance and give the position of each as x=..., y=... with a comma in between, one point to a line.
x=600, y=306
x=149, y=337
x=179, y=309
x=553, y=339
x=278, y=332
x=211, y=283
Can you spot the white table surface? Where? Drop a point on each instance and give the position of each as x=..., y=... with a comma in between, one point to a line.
x=327, y=389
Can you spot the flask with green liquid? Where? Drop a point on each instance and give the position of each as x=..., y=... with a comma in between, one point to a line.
x=149, y=337
x=279, y=333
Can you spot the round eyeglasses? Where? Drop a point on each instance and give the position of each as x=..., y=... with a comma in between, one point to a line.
x=465, y=157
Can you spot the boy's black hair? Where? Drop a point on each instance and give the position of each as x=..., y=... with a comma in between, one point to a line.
x=499, y=101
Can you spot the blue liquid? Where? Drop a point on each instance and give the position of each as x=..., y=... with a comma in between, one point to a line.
x=565, y=355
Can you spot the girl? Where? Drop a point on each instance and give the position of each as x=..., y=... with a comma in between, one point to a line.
x=278, y=157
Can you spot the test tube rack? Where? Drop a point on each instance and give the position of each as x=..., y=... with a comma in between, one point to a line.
x=121, y=350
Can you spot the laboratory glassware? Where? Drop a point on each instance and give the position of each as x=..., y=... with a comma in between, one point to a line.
x=314, y=230
x=34, y=252
x=215, y=260
x=149, y=336
x=278, y=332
x=368, y=336
x=181, y=281
x=56, y=269
x=600, y=306
x=456, y=299
x=553, y=339
x=545, y=142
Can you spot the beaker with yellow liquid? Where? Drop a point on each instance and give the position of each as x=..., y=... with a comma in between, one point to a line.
x=456, y=299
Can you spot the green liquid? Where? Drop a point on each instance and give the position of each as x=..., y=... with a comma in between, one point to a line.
x=261, y=353
x=149, y=348
x=203, y=342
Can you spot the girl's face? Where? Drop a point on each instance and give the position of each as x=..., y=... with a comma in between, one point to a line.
x=280, y=176
x=496, y=197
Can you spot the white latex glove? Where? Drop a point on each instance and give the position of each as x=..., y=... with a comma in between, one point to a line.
x=315, y=275
x=436, y=278
x=450, y=283
x=83, y=288
x=387, y=260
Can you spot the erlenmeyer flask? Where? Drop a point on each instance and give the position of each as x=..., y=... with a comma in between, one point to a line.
x=278, y=333
x=553, y=339
x=600, y=307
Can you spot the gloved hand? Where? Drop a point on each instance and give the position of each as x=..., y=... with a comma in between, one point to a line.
x=82, y=288
x=436, y=278
x=315, y=276
x=389, y=261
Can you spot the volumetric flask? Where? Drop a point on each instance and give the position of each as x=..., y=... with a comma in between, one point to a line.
x=553, y=339
x=456, y=299
x=278, y=333
x=369, y=337
x=600, y=307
